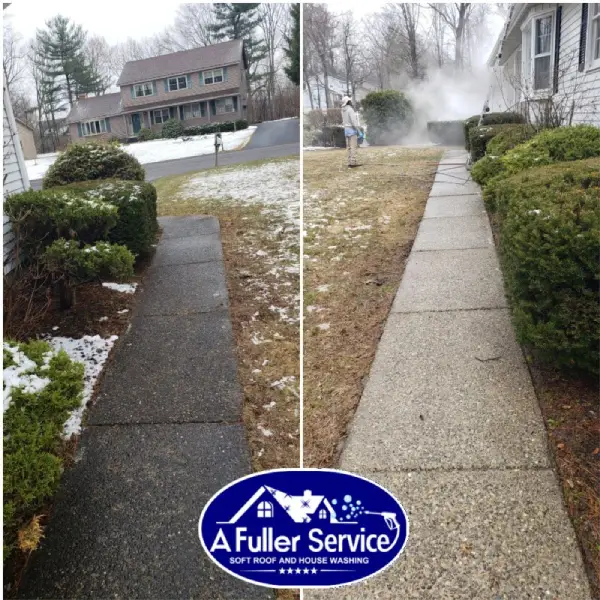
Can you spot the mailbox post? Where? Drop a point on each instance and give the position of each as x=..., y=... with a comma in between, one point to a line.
x=218, y=142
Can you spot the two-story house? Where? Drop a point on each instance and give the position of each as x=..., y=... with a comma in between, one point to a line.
x=197, y=86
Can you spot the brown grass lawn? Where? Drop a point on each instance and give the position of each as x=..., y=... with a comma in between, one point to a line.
x=359, y=228
x=260, y=237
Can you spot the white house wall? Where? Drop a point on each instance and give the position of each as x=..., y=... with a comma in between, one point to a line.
x=15, y=175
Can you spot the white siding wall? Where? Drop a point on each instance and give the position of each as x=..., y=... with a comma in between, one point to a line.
x=15, y=175
x=582, y=87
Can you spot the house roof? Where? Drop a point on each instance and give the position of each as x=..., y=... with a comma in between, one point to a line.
x=95, y=107
x=23, y=123
x=185, y=61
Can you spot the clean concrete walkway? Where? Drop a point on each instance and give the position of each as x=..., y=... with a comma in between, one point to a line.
x=164, y=435
x=450, y=424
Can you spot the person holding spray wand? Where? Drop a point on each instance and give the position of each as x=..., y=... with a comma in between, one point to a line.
x=351, y=130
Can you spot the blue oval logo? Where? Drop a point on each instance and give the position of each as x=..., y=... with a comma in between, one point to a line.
x=303, y=528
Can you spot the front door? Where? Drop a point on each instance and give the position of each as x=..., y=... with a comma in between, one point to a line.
x=136, y=122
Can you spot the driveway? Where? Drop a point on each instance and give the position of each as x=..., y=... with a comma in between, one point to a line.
x=270, y=140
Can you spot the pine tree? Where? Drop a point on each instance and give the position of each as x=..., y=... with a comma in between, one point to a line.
x=62, y=45
x=239, y=22
x=292, y=52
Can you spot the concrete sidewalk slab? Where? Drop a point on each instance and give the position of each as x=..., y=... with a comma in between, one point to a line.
x=454, y=233
x=184, y=289
x=484, y=535
x=450, y=280
x=196, y=352
x=187, y=250
x=125, y=522
x=453, y=187
x=191, y=225
x=447, y=390
x=454, y=206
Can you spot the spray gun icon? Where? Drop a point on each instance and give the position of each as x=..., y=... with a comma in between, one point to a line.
x=390, y=519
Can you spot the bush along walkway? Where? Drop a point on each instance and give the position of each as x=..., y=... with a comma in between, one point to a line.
x=450, y=424
x=163, y=436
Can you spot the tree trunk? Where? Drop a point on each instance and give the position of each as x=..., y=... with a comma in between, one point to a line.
x=66, y=295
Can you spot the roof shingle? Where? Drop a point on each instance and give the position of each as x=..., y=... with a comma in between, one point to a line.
x=97, y=106
x=185, y=61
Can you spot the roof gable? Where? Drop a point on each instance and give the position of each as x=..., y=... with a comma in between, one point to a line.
x=185, y=61
x=95, y=107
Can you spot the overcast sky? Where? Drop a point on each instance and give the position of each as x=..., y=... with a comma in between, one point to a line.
x=115, y=21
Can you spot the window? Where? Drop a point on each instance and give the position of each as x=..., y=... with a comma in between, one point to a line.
x=193, y=111
x=322, y=514
x=178, y=83
x=161, y=115
x=537, y=52
x=214, y=76
x=93, y=127
x=594, y=35
x=143, y=89
x=224, y=105
x=265, y=510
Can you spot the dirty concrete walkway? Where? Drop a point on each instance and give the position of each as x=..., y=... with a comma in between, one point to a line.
x=450, y=424
x=163, y=436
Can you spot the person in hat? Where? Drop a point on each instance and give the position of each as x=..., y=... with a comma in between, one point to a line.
x=351, y=130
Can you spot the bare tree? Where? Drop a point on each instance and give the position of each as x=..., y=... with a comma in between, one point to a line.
x=98, y=54
x=193, y=25
x=456, y=16
x=273, y=18
x=13, y=56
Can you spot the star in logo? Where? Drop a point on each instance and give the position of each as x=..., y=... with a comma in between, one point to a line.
x=290, y=571
x=314, y=571
x=298, y=571
x=282, y=571
x=306, y=571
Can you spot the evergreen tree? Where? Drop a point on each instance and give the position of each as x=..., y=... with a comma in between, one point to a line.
x=239, y=22
x=292, y=52
x=62, y=45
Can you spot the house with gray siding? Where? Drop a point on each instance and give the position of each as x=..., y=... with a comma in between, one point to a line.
x=548, y=58
x=199, y=86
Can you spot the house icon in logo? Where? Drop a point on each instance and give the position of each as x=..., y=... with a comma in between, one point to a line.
x=266, y=502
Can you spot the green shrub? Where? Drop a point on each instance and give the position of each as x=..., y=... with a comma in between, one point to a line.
x=172, y=129
x=216, y=127
x=549, y=223
x=40, y=217
x=509, y=137
x=136, y=226
x=68, y=264
x=41, y=387
x=388, y=115
x=449, y=133
x=241, y=124
x=83, y=162
x=146, y=134
x=502, y=118
x=485, y=169
x=479, y=138
x=554, y=145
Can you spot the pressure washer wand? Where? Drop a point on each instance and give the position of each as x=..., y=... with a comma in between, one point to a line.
x=390, y=518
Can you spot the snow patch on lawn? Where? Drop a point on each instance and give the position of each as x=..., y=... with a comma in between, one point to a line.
x=92, y=351
x=124, y=288
x=18, y=375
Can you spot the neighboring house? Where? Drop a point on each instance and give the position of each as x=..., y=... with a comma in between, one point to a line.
x=14, y=174
x=546, y=63
x=338, y=88
x=198, y=86
x=267, y=502
x=27, y=140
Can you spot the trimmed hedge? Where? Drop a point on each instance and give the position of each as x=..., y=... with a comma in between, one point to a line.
x=480, y=136
x=82, y=162
x=388, y=116
x=145, y=134
x=42, y=386
x=503, y=118
x=216, y=127
x=549, y=225
x=554, y=145
x=486, y=168
x=509, y=137
x=449, y=133
x=172, y=128
x=137, y=225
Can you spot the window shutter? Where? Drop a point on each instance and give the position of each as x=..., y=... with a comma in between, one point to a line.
x=166, y=85
x=151, y=117
x=79, y=131
x=557, y=48
x=235, y=103
x=107, y=124
x=189, y=80
x=181, y=118
x=583, y=36
x=132, y=89
x=154, y=87
x=172, y=112
x=213, y=107
x=201, y=78
x=224, y=73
